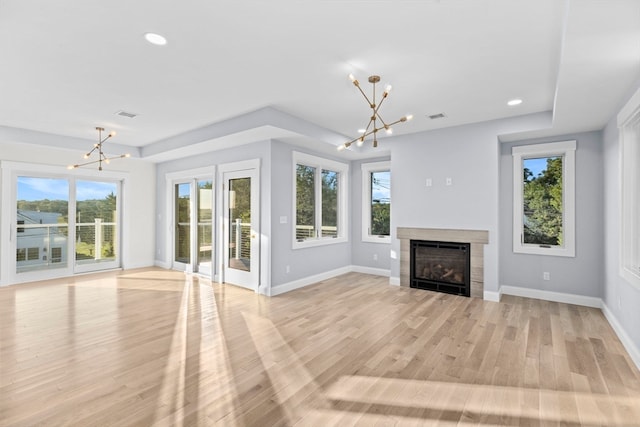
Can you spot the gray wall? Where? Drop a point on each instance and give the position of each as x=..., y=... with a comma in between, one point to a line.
x=362, y=253
x=621, y=299
x=302, y=262
x=469, y=155
x=276, y=200
x=583, y=274
x=255, y=150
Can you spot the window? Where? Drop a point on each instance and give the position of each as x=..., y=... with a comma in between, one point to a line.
x=56, y=254
x=544, y=199
x=629, y=124
x=33, y=254
x=21, y=254
x=376, y=202
x=320, y=194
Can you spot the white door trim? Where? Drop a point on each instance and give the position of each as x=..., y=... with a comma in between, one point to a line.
x=246, y=165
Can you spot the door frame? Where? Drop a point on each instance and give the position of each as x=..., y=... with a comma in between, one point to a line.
x=171, y=179
x=223, y=224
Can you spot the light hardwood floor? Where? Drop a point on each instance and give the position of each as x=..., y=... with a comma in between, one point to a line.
x=156, y=347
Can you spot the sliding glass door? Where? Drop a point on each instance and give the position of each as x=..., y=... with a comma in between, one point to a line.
x=97, y=230
x=63, y=219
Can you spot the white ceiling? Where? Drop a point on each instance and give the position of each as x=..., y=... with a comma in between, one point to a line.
x=68, y=66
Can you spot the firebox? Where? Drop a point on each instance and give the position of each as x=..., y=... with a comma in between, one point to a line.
x=441, y=266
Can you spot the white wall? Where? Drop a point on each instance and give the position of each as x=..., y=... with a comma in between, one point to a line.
x=139, y=196
x=621, y=298
x=580, y=275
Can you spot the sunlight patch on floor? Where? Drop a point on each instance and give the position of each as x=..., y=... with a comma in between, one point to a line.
x=305, y=403
x=498, y=400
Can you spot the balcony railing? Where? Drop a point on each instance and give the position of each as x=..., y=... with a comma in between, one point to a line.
x=96, y=241
x=304, y=232
x=240, y=240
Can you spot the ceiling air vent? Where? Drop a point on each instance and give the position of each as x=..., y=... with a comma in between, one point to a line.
x=437, y=116
x=126, y=114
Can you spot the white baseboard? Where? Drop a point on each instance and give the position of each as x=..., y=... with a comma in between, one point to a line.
x=492, y=296
x=370, y=270
x=133, y=266
x=309, y=280
x=162, y=264
x=626, y=341
x=551, y=296
x=395, y=281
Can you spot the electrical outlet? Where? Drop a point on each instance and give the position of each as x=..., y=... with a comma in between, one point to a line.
x=288, y=269
x=546, y=276
x=375, y=257
x=429, y=182
x=449, y=181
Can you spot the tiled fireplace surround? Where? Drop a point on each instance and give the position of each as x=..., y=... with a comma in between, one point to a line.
x=477, y=239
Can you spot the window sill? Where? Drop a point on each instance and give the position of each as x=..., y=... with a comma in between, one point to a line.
x=312, y=243
x=376, y=239
x=549, y=251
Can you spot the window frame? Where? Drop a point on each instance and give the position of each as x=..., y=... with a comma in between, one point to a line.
x=367, y=169
x=565, y=149
x=629, y=140
x=321, y=164
x=10, y=172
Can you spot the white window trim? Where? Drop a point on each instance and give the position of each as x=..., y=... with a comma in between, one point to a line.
x=10, y=172
x=628, y=117
x=367, y=169
x=567, y=149
x=343, y=188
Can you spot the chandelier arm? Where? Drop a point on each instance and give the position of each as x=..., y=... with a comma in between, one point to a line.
x=364, y=94
x=367, y=132
x=380, y=104
x=121, y=156
x=85, y=164
x=398, y=121
x=364, y=135
x=95, y=147
x=352, y=141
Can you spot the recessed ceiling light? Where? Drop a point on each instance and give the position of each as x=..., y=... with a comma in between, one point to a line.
x=156, y=39
x=514, y=102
